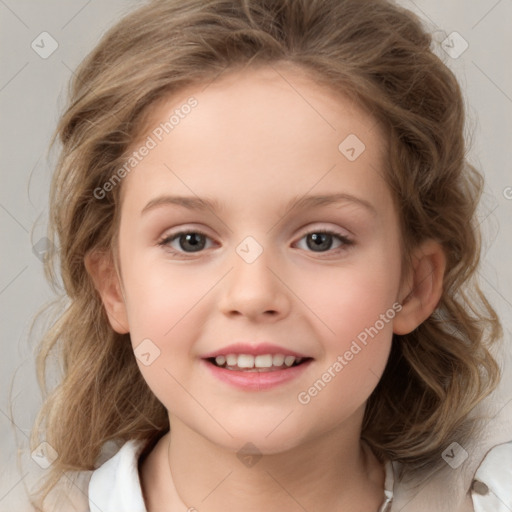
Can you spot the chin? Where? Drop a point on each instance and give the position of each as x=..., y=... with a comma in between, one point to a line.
x=254, y=441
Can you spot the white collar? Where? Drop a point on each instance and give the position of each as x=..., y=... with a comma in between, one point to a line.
x=115, y=485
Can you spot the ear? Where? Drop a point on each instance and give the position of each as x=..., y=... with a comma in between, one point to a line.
x=101, y=268
x=422, y=290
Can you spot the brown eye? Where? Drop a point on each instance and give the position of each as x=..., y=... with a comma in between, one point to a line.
x=319, y=241
x=187, y=241
x=323, y=240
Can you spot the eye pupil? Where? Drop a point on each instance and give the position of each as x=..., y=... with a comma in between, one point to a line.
x=192, y=239
x=319, y=240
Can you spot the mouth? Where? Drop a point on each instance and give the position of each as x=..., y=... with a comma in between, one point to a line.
x=260, y=363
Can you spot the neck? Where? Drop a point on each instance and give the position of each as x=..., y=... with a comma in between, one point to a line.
x=186, y=471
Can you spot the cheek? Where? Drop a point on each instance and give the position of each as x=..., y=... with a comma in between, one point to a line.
x=355, y=307
x=159, y=296
x=164, y=306
x=357, y=343
x=350, y=299
x=170, y=386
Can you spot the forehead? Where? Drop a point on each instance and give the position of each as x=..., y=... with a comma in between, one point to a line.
x=267, y=129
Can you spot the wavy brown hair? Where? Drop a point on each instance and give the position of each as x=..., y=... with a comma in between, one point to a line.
x=379, y=55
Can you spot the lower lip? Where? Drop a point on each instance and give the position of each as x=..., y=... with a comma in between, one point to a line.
x=257, y=381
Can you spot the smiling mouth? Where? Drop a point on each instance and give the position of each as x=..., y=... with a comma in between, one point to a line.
x=259, y=363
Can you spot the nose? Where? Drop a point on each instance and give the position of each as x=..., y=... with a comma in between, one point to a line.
x=255, y=290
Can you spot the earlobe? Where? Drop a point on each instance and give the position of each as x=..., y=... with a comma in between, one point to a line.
x=422, y=292
x=101, y=268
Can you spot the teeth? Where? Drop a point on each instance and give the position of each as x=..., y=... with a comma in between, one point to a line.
x=248, y=361
x=289, y=360
x=263, y=361
x=245, y=361
x=278, y=360
x=231, y=360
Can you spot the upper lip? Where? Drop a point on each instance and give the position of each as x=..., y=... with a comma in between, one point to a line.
x=255, y=350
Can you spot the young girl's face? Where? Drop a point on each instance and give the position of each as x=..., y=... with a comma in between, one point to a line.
x=256, y=142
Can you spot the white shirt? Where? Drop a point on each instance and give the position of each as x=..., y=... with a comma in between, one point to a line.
x=115, y=486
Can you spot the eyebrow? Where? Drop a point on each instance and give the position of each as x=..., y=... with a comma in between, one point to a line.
x=297, y=202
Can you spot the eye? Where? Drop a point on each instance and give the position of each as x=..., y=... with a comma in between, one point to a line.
x=321, y=240
x=188, y=241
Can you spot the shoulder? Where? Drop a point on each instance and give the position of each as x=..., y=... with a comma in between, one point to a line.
x=491, y=488
x=479, y=480
x=115, y=485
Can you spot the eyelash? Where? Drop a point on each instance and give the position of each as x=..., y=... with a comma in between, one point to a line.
x=346, y=242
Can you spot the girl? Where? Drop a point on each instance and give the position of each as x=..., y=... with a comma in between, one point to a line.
x=267, y=237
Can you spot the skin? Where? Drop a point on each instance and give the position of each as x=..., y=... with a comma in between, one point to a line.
x=253, y=143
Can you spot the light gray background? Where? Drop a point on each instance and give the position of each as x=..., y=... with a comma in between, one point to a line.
x=32, y=94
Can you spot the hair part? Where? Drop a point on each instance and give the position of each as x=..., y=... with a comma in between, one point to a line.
x=377, y=54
